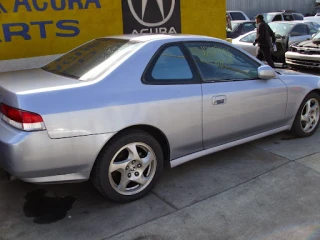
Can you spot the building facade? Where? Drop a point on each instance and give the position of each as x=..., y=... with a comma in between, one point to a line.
x=34, y=32
x=254, y=7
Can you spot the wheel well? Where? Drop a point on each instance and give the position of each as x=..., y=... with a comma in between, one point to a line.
x=154, y=132
x=317, y=91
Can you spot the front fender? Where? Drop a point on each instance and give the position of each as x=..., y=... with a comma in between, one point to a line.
x=299, y=86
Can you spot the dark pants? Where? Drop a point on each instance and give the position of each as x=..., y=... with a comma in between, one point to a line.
x=266, y=53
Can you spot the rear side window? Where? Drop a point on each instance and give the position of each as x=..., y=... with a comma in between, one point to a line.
x=85, y=61
x=288, y=17
x=298, y=16
x=237, y=16
x=171, y=65
x=277, y=18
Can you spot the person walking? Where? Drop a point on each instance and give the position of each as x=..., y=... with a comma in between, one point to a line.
x=263, y=39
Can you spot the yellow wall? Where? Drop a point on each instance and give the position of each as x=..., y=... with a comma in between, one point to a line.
x=100, y=18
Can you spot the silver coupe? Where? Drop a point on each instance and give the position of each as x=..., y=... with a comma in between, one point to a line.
x=119, y=109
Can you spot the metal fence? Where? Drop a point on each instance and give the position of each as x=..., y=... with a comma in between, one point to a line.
x=253, y=7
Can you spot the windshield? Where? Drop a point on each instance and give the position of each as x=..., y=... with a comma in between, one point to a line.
x=281, y=29
x=92, y=58
x=234, y=25
x=268, y=17
x=317, y=36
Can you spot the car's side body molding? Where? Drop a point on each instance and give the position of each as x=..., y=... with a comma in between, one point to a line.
x=179, y=161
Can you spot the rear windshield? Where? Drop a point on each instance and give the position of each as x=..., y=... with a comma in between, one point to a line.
x=237, y=16
x=92, y=58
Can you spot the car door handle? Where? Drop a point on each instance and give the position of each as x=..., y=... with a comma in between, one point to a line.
x=217, y=100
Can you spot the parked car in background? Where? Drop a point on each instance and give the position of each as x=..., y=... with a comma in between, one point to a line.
x=240, y=27
x=282, y=16
x=312, y=19
x=305, y=54
x=136, y=104
x=310, y=23
x=286, y=33
x=237, y=15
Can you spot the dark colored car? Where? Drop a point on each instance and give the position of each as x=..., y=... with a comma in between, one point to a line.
x=240, y=27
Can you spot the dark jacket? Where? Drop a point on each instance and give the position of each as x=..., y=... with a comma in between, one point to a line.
x=264, y=35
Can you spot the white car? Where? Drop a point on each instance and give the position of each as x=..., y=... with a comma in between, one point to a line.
x=312, y=19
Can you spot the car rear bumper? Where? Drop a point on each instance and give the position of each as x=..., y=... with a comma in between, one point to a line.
x=303, y=60
x=34, y=157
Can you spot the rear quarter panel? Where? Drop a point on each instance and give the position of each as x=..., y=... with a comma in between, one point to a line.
x=120, y=100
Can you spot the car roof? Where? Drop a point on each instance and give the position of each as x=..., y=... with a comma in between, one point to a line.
x=153, y=37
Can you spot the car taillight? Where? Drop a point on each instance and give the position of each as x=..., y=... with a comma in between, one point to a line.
x=26, y=121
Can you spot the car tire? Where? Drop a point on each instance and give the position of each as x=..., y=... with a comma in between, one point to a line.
x=128, y=167
x=307, y=119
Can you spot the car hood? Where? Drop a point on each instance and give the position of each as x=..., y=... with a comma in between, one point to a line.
x=308, y=43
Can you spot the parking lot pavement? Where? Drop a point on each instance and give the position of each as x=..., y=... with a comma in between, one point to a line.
x=267, y=189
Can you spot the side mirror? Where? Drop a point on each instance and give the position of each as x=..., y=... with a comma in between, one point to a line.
x=266, y=72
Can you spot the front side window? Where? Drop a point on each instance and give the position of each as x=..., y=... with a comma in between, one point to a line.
x=86, y=61
x=169, y=66
x=300, y=30
x=220, y=62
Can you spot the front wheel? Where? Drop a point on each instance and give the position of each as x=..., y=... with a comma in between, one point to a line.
x=128, y=167
x=307, y=118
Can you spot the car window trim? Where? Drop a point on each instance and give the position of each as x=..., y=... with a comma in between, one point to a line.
x=216, y=81
x=147, y=78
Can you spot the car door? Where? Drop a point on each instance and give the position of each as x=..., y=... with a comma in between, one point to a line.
x=176, y=105
x=236, y=103
x=299, y=33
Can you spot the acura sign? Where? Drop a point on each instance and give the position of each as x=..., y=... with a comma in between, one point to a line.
x=151, y=16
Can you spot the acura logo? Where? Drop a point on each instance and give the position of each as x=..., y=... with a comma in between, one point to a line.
x=160, y=3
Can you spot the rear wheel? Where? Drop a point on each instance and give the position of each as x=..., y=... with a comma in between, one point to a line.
x=307, y=118
x=128, y=167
